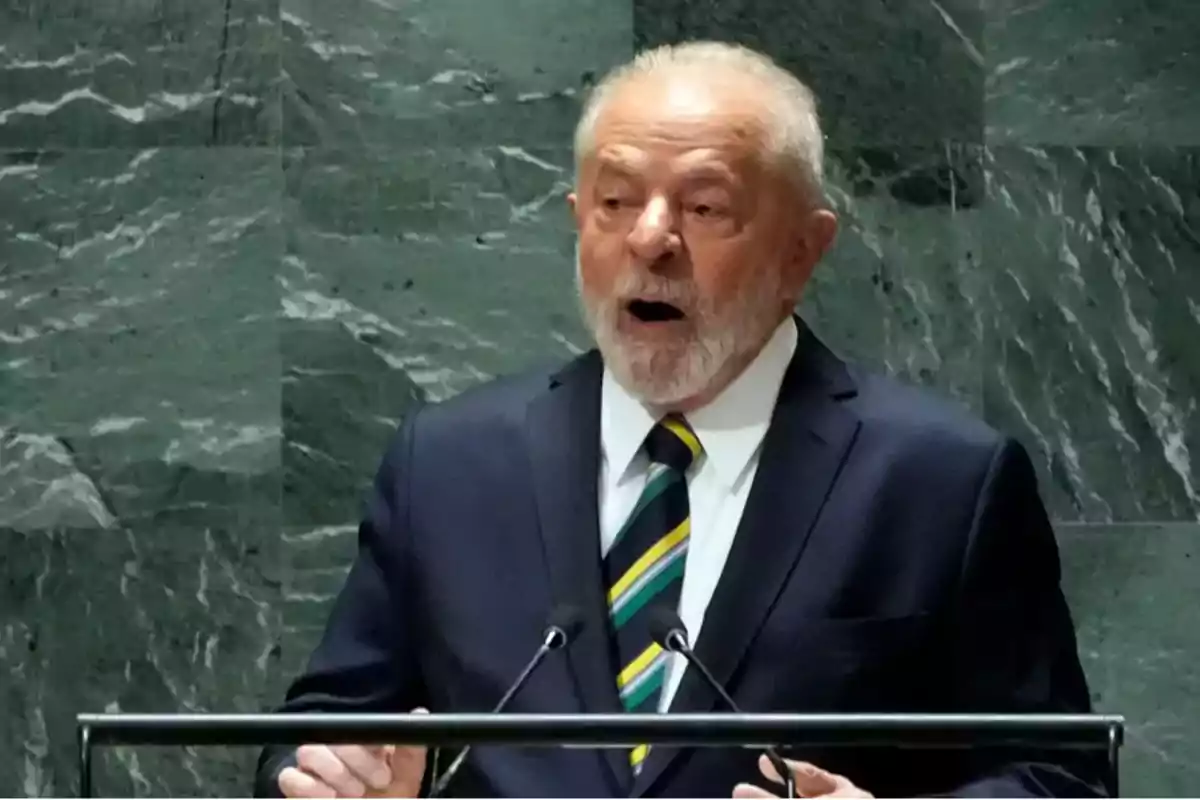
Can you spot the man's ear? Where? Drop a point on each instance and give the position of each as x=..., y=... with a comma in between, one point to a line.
x=822, y=228
x=811, y=242
x=573, y=204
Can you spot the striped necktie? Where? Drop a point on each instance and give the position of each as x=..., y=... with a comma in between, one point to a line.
x=644, y=567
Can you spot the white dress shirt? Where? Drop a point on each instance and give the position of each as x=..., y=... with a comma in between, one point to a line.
x=731, y=430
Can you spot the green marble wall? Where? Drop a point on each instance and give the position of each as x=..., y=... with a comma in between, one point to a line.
x=239, y=240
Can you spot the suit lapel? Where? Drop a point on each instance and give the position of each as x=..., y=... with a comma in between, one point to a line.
x=563, y=430
x=802, y=454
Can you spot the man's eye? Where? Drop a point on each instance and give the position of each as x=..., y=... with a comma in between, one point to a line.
x=706, y=210
x=611, y=203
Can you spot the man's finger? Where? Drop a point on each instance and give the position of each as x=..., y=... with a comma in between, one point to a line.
x=320, y=761
x=367, y=764
x=408, y=758
x=294, y=783
x=408, y=761
x=809, y=778
x=408, y=767
x=750, y=790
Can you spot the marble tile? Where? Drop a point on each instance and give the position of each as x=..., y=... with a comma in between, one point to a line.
x=885, y=73
x=1093, y=314
x=897, y=291
x=84, y=74
x=1108, y=72
x=139, y=337
x=1133, y=591
x=459, y=73
x=454, y=266
x=317, y=559
x=139, y=454
x=342, y=403
x=410, y=276
x=135, y=619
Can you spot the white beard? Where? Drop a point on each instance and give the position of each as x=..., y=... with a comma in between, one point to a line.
x=667, y=375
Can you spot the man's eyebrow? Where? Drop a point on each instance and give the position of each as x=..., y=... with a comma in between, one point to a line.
x=708, y=172
x=626, y=165
x=615, y=170
x=706, y=166
x=619, y=160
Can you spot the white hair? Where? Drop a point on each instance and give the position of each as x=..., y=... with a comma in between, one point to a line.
x=794, y=129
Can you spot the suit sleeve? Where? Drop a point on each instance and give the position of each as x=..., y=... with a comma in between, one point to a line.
x=1013, y=640
x=365, y=659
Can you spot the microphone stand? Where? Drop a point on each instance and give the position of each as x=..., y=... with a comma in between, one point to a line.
x=668, y=630
x=564, y=624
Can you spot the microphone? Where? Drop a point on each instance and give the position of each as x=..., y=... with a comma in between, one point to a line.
x=562, y=627
x=668, y=630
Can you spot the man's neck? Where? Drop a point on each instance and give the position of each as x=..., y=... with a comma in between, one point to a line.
x=727, y=375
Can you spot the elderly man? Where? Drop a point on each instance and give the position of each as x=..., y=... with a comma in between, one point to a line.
x=830, y=539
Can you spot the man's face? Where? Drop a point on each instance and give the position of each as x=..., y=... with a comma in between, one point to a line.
x=692, y=247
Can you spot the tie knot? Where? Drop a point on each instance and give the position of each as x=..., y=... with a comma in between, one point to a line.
x=672, y=442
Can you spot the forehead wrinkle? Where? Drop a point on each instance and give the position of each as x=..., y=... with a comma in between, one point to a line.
x=704, y=164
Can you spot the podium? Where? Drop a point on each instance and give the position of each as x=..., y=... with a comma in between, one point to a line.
x=941, y=731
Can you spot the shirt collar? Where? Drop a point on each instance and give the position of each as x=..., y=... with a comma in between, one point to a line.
x=730, y=428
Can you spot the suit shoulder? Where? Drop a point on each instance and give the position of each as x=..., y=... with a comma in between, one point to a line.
x=921, y=415
x=494, y=401
x=933, y=449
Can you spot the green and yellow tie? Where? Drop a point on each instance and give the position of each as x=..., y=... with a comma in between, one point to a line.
x=644, y=567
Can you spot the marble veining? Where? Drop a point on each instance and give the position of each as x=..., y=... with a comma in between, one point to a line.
x=1092, y=297
x=1111, y=72
x=242, y=240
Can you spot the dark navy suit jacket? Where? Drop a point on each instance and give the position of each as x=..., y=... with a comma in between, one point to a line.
x=893, y=556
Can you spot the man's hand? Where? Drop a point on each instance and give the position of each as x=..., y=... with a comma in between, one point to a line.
x=811, y=781
x=353, y=770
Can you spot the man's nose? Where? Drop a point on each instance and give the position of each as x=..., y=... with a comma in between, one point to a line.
x=656, y=233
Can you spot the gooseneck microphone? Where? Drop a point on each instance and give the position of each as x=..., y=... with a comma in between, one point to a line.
x=562, y=627
x=668, y=630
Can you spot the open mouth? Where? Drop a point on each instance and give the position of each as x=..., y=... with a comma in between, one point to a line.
x=654, y=311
